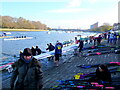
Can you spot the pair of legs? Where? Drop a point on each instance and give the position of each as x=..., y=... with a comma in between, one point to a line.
x=75, y=51
x=56, y=61
x=80, y=49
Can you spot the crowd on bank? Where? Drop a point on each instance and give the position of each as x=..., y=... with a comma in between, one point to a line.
x=95, y=40
x=111, y=38
x=27, y=70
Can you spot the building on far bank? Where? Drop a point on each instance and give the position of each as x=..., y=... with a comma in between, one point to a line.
x=95, y=25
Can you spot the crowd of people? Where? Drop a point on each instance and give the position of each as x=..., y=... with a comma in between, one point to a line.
x=27, y=73
x=111, y=38
x=50, y=47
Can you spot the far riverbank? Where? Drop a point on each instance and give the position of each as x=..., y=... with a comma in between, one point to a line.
x=22, y=30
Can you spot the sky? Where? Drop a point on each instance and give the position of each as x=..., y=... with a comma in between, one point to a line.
x=77, y=14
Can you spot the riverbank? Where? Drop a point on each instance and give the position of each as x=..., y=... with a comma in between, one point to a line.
x=68, y=67
x=8, y=30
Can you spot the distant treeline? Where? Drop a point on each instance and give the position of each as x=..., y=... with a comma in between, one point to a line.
x=20, y=23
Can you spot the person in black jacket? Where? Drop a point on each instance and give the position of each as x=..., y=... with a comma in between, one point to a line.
x=38, y=51
x=102, y=75
x=80, y=47
x=33, y=51
x=99, y=38
x=50, y=48
x=27, y=73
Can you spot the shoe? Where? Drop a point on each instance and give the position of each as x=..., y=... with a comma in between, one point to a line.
x=57, y=65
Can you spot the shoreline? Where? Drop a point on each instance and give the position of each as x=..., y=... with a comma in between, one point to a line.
x=11, y=30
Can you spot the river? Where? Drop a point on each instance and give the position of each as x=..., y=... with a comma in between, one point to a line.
x=10, y=48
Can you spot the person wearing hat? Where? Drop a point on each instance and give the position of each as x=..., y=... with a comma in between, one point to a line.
x=27, y=73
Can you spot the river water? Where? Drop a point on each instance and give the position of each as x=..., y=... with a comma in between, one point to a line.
x=9, y=48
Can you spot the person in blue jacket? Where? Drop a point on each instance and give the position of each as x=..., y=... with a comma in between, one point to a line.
x=58, y=52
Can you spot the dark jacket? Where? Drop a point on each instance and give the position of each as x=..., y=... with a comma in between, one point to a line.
x=29, y=75
x=38, y=51
x=33, y=51
x=104, y=76
x=50, y=48
x=81, y=44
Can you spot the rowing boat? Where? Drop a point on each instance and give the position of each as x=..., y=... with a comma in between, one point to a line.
x=5, y=36
x=18, y=38
x=42, y=56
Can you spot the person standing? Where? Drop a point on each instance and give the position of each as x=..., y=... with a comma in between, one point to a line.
x=33, y=51
x=58, y=52
x=115, y=38
x=111, y=38
x=50, y=48
x=76, y=41
x=108, y=37
x=99, y=40
x=105, y=35
x=95, y=40
x=75, y=49
x=21, y=53
x=80, y=46
x=38, y=51
x=27, y=73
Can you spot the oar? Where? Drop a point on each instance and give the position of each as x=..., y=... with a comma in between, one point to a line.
x=10, y=55
x=96, y=65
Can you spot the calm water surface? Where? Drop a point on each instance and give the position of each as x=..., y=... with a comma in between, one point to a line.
x=9, y=48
